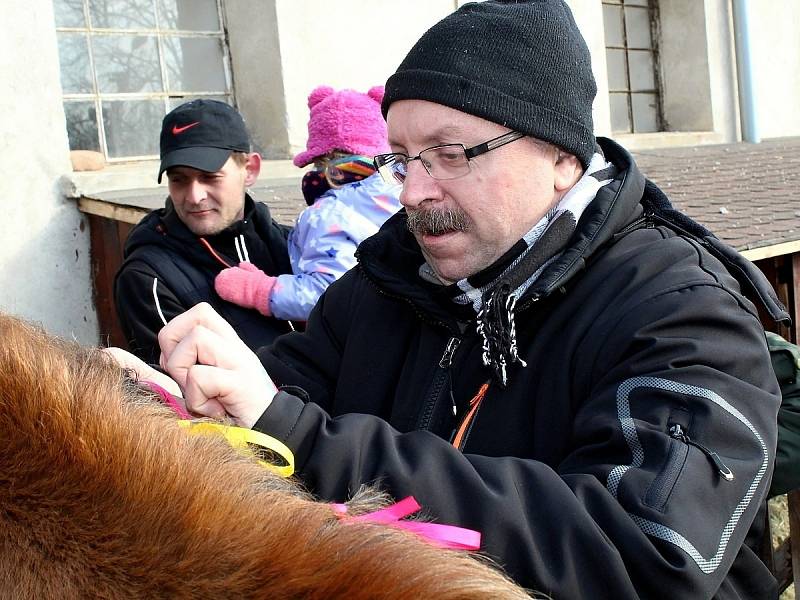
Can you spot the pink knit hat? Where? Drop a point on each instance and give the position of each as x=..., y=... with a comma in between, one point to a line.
x=345, y=120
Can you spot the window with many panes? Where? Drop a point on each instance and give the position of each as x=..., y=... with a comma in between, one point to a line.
x=125, y=63
x=631, y=56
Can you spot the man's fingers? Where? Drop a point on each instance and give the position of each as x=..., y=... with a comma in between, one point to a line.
x=215, y=392
x=202, y=392
x=205, y=347
x=205, y=384
x=178, y=328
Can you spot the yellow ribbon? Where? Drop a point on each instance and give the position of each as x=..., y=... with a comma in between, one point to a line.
x=239, y=438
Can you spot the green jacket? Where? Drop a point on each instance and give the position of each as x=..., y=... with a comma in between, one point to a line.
x=786, y=362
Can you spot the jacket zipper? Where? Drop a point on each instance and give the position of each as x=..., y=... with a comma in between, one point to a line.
x=439, y=382
x=659, y=491
x=444, y=363
x=645, y=219
x=677, y=432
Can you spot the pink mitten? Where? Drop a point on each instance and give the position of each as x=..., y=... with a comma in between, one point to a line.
x=246, y=285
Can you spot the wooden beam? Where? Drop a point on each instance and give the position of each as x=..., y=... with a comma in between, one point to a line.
x=771, y=251
x=115, y=212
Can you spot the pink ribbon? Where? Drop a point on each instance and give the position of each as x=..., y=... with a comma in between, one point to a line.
x=444, y=536
x=167, y=398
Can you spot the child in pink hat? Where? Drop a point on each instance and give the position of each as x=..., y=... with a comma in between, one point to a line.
x=348, y=201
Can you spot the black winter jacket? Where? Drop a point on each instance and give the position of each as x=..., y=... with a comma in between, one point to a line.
x=602, y=470
x=162, y=247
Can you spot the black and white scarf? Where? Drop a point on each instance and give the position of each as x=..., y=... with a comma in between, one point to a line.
x=493, y=292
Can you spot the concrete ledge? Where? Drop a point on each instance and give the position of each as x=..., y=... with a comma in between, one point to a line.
x=142, y=176
x=668, y=139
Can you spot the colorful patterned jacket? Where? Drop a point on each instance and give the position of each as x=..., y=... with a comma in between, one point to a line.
x=323, y=243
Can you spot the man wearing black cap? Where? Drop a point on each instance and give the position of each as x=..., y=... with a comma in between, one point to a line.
x=539, y=347
x=209, y=223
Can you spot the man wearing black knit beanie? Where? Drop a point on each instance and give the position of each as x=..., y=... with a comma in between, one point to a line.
x=539, y=347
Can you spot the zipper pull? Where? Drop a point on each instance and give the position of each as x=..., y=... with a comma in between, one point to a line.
x=450, y=349
x=445, y=362
x=677, y=432
x=723, y=469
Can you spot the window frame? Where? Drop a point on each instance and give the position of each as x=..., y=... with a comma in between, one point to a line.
x=651, y=6
x=166, y=95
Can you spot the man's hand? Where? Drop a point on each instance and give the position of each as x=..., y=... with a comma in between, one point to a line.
x=218, y=373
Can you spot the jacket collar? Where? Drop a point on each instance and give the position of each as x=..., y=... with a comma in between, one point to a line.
x=163, y=228
x=175, y=226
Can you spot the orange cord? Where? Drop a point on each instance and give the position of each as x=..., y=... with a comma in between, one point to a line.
x=224, y=263
x=473, y=408
x=213, y=252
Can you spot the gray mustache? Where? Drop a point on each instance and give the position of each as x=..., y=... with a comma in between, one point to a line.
x=436, y=222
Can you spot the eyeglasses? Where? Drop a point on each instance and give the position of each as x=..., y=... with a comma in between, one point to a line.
x=448, y=161
x=345, y=169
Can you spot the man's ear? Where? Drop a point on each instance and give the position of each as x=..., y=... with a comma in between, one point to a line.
x=567, y=171
x=253, y=168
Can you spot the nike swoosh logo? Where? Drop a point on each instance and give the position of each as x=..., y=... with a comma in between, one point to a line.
x=176, y=130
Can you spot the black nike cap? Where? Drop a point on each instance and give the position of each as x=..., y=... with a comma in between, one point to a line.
x=201, y=134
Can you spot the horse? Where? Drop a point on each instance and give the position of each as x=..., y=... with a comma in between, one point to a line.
x=103, y=495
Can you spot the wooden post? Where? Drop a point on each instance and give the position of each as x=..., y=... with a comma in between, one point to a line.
x=106, y=251
x=794, y=297
x=794, y=533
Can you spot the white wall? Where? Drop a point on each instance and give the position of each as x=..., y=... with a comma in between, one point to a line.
x=588, y=14
x=258, y=77
x=315, y=52
x=722, y=69
x=44, y=255
x=775, y=36
x=684, y=46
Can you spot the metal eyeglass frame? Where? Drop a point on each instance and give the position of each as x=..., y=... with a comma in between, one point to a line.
x=384, y=162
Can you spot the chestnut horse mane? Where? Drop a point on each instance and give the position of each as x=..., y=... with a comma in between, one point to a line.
x=102, y=495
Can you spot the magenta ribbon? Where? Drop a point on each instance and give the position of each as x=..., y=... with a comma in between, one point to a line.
x=166, y=398
x=443, y=536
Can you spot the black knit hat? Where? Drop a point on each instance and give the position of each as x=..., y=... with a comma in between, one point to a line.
x=522, y=64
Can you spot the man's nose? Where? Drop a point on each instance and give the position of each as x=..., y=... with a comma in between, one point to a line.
x=418, y=186
x=196, y=192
